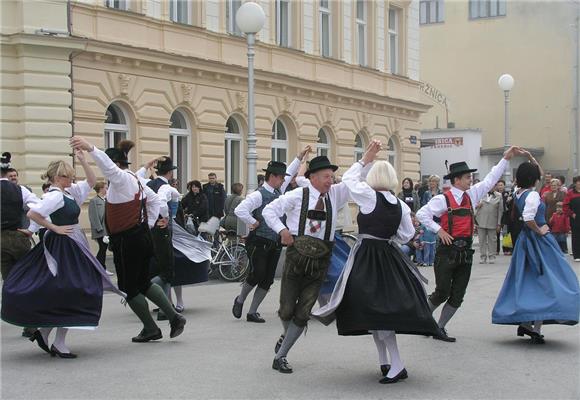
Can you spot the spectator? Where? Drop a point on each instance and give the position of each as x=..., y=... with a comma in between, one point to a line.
x=409, y=195
x=547, y=184
x=552, y=197
x=560, y=227
x=424, y=187
x=562, y=180
x=45, y=187
x=195, y=203
x=97, y=220
x=410, y=248
x=261, y=180
x=425, y=253
x=500, y=188
x=571, y=208
x=230, y=221
x=432, y=190
x=488, y=216
x=446, y=186
x=216, y=196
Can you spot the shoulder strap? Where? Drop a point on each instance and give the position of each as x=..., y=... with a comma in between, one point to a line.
x=303, y=211
x=328, y=226
x=449, y=212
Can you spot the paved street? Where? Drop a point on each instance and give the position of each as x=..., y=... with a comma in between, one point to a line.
x=220, y=357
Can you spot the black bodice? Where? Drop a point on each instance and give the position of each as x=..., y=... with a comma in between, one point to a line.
x=383, y=221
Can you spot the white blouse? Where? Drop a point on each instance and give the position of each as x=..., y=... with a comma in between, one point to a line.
x=531, y=205
x=53, y=200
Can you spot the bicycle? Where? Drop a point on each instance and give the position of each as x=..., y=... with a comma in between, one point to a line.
x=229, y=258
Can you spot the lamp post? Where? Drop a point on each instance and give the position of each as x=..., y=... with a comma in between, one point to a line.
x=250, y=19
x=506, y=83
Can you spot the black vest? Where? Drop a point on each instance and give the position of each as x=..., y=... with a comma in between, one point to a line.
x=155, y=184
x=383, y=221
x=10, y=206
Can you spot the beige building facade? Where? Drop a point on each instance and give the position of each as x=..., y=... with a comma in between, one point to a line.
x=467, y=45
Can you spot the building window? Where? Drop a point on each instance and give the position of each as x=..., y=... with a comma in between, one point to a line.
x=325, y=29
x=232, y=7
x=323, y=145
x=283, y=19
x=179, y=11
x=279, y=142
x=393, y=40
x=392, y=153
x=179, y=138
x=233, y=153
x=118, y=4
x=361, y=31
x=359, y=147
x=431, y=11
x=116, y=127
x=486, y=8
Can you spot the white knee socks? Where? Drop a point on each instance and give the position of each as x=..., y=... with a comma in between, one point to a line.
x=381, y=348
x=59, y=340
x=396, y=363
x=178, y=296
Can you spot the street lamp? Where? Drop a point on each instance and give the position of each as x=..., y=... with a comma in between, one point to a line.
x=250, y=19
x=506, y=83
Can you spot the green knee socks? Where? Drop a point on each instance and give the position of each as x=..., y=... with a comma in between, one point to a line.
x=157, y=296
x=140, y=307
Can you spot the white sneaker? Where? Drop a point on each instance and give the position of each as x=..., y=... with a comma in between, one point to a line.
x=109, y=273
x=577, y=259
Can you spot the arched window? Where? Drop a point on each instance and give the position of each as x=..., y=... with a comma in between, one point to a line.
x=392, y=153
x=179, y=145
x=359, y=147
x=323, y=145
x=116, y=125
x=279, y=142
x=233, y=153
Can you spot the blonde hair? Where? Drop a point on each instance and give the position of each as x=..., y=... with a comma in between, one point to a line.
x=382, y=176
x=556, y=181
x=58, y=168
x=435, y=178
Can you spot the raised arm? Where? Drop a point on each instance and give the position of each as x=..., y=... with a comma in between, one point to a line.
x=295, y=167
x=89, y=173
x=359, y=190
x=110, y=170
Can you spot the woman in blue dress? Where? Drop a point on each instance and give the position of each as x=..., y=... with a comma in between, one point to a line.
x=540, y=286
x=59, y=283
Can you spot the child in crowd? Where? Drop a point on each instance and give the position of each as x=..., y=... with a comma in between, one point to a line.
x=411, y=248
x=426, y=251
x=560, y=227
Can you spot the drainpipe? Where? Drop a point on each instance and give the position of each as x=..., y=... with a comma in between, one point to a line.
x=576, y=131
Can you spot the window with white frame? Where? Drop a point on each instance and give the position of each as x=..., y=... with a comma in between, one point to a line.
x=232, y=7
x=359, y=147
x=487, y=8
x=283, y=19
x=118, y=4
x=325, y=25
x=279, y=142
x=431, y=11
x=392, y=153
x=361, y=31
x=179, y=139
x=323, y=144
x=179, y=11
x=393, y=40
x=116, y=126
x=233, y=153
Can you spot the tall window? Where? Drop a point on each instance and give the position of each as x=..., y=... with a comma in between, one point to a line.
x=233, y=153
x=179, y=11
x=116, y=127
x=361, y=31
x=394, y=40
x=232, y=7
x=179, y=137
x=392, y=153
x=359, y=147
x=279, y=142
x=283, y=19
x=323, y=145
x=325, y=28
x=431, y=11
x=118, y=4
x=486, y=8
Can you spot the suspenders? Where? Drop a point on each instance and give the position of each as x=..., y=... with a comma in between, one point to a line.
x=304, y=212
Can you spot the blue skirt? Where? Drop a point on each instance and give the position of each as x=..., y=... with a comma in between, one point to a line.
x=540, y=285
x=33, y=297
x=340, y=253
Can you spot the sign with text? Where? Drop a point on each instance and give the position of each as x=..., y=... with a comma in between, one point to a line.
x=442, y=143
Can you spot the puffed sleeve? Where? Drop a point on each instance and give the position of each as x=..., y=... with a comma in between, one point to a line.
x=49, y=203
x=531, y=206
x=80, y=191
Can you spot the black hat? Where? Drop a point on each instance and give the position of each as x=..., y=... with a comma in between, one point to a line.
x=5, y=160
x=276, y=167
x=165, y=165
x=120, y=152
x=319, y=163
x=458, y=169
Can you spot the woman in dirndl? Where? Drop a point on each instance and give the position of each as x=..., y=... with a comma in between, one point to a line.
x=59, y=283
x=379, y=291
x=540, y=286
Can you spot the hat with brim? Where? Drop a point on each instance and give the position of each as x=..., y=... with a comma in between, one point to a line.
x=165, y=165
x=319, y=163
x=458, y=169
x=276, y=168
x=117, y=155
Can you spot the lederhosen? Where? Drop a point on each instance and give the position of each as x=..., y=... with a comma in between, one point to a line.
x=307, y=262
x=130, y=242
x=14, y=243
x=453, y=262
x=163, y=264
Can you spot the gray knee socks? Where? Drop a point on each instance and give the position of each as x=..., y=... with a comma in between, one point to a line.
x=259, y=296
x=292, y=335
x=246, y=289
x=446, y=314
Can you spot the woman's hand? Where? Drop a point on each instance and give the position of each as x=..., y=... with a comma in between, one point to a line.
x=79, y=143
x=80, y=156
x=544, y=230
x=62, y=229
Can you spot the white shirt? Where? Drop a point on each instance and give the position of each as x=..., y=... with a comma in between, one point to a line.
x=290, y=204
x=366, y=198
x=28, y=198
x=166, y=192
x=531, y=205
x=254, y=200
x=437, y=206
x=54, y=200
x=123, y=186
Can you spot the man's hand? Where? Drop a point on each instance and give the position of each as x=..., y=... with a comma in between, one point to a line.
x=498, y=229
x=286, y=237
x=254, y=226
x=305, y=152
x=25, y=232
x=79, y=143
x=153, y=162
x=446, y=238
x=162, y=223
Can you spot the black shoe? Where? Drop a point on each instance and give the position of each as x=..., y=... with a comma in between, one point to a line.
x=36, y=336
x=539, y=339
x=143, y=336
x=28, y=332
x=237, y=308
x=177, y=325
x=442, y=335
x=400, y=376
x=255, y=317
x=523, y=330
x=278, y=344
x=161, y=316
x=281, y=365
x=385, y=369
x=55, y=352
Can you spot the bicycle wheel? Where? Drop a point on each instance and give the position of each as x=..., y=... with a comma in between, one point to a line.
x=233, y=263
x=349, y=239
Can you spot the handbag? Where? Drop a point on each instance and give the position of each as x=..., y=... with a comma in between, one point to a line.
x=507, y=241
x=310, y=247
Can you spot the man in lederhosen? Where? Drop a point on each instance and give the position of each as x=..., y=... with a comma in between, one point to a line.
x=263, y=244
x=454, y=254
x=311, y=219
x=132, y=209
